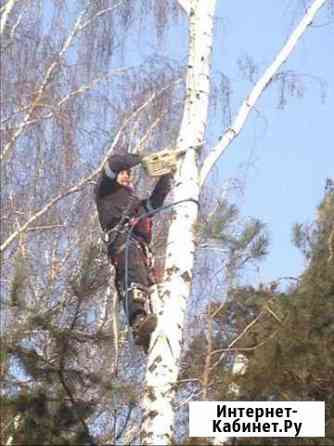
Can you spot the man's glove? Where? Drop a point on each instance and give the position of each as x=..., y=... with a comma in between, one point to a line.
x=160, y=192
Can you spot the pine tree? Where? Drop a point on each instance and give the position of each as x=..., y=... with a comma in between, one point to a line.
x=290, y=347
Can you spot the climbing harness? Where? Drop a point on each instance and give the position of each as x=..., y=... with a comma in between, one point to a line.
x=145, y=214
x=129, y=229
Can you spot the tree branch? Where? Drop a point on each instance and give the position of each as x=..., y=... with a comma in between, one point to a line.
x=128, y=415
x=70, y=395
x=257, y=91
x=5, y=10
x=83, y=182
x=78, y=27
x=246, y=329
x=185, y=5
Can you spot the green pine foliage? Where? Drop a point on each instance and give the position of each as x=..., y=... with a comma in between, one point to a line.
x=291, y=357
x=287, y=336
x=51, y=394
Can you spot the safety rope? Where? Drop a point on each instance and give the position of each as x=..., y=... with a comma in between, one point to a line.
x=126, y=277
x=128, y=238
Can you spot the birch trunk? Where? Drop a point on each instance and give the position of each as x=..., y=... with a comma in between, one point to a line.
x=165, y=350
x=163, y=360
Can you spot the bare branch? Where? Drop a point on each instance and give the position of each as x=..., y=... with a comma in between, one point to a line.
x=207, y=365
x=126, y=422
x=331, y=246
x=86, y=180
x=274, y=315
x=6, y=10
x=99, y=14
x=245, y=330
x=257, y=91
x=36, y=102
x=140, y=146
x=54, y=109
x=185, y=5
x=77, y=28
x=18, y=21
x=247, y=349
x=46, y=228
x=243, y=333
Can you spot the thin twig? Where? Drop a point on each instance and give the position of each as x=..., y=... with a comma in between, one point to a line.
x=86, y=180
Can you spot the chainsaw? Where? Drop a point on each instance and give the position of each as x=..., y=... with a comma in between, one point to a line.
x=163, y=162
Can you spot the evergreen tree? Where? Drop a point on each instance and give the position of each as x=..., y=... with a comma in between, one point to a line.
x=287, y=337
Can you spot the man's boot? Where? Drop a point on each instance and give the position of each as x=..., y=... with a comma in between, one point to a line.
x=143, y=326
x=145, y=321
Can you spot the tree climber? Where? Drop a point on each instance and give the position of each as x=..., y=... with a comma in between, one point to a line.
x=119, y=210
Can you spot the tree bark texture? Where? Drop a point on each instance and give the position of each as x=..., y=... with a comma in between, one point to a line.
x=164, y=357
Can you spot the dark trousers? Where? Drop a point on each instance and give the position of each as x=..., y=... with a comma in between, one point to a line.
x=139, y=276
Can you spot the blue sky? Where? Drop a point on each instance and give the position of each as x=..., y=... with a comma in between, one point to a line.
x=284, y=156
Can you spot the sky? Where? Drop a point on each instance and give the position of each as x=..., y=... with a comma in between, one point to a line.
x=283, y=156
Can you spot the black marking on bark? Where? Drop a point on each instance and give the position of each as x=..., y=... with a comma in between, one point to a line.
x=150, y=393
x=154, y=343
x=186, y=276
x=170, y=347
x=152, y=414
x=155, y=363
x=171, y=270
x=152, y=368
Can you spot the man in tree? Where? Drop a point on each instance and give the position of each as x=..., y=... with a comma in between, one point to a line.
x=120, y=211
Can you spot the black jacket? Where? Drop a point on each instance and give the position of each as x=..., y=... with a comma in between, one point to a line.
x=119, y=204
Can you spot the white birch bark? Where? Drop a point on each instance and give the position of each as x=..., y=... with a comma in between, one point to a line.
x=165, y=351
x=163, y=360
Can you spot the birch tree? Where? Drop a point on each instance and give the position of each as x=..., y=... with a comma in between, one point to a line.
x=65, y=106
x=165, y=351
